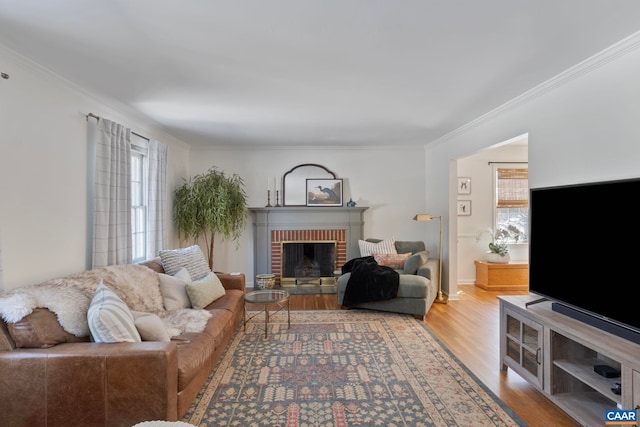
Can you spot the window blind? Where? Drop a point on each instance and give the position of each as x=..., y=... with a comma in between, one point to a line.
x=512, y=188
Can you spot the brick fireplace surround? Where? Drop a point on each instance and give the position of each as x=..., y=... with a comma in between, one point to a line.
x=272, y=226
x=279, y=236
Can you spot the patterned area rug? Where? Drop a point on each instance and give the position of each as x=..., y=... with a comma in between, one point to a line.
x=344, y=368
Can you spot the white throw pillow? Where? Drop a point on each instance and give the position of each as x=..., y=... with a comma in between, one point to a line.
x=109, y=318
x=190, y=258
x=384, y=247
x=150, y=326
x=204, y=291
x=174, y=290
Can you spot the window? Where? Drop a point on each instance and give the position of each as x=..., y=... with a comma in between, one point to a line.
x=512, y=203
x=139, y=201
x=127, y=182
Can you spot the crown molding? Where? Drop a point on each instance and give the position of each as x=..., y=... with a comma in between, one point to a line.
x=599, y=60
x=143, y=122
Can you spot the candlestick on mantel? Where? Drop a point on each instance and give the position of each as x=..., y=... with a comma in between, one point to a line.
x=268, y=205
x=277, y=205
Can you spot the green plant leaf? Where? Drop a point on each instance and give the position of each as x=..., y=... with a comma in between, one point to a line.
x=208, y=204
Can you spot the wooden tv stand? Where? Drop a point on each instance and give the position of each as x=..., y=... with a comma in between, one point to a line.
x=556, y=354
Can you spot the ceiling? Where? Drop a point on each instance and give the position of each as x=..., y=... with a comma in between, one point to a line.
x=312, y=72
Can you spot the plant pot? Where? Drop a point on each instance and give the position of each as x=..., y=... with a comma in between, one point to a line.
x=265, y=281
x=497, y=258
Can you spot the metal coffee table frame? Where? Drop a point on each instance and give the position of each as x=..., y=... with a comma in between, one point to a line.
x=267, y=297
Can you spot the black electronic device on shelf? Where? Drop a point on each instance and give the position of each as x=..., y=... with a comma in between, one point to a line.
x=606, y=371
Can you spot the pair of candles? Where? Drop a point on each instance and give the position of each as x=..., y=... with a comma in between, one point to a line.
x=276, y=185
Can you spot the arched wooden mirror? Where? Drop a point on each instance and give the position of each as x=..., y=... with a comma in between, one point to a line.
x=294, y=182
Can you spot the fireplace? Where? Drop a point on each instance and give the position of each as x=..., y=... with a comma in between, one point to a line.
x=333, y=227
x=327, y=248
x=308, y=263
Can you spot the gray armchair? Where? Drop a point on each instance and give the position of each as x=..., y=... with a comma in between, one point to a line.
x=418, y=282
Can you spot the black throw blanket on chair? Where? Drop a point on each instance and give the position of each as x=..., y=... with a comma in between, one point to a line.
x=369, y=281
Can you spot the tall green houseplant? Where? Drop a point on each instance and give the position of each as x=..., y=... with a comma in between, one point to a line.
x=208, y=204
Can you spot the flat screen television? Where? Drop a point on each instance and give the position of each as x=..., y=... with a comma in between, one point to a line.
x=584, y=252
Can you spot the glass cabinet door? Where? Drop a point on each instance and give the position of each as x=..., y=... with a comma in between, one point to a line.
x=523, y=346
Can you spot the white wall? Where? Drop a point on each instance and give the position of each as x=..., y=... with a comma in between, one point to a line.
x=43, y=176
x=477, y=167
x=43, y=169
x=1, y=273
x=582, y=126
x=389, y=181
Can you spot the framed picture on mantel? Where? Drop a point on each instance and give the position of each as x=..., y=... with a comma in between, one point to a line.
x=324, y=192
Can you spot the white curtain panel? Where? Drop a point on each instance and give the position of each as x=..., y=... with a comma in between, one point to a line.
x=157, y=198
x=112, y=200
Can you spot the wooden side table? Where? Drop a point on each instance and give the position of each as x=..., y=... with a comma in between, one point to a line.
x=512, y=276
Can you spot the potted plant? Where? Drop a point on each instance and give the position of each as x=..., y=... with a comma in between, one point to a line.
x=498, y=249
x=208, y=204
x=498, y=252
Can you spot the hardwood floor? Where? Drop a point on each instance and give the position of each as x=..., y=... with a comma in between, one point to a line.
x=469, y=328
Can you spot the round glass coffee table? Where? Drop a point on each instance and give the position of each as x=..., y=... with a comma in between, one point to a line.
x=266, y=298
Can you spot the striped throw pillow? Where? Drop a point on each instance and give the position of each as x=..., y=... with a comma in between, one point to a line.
x=190, y=258
x=384, y=247
x=109, y=318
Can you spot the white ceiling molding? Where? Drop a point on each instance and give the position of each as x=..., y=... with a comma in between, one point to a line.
x=624, y=47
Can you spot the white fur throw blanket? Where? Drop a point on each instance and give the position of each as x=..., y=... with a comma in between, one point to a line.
x=69, y=298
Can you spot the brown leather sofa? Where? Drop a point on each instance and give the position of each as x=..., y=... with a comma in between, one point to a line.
x=120, y=384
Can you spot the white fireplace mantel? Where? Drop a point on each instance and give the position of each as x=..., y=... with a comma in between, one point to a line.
x=266, y=220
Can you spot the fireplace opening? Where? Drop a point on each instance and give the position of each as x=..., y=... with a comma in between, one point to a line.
x=308, y=262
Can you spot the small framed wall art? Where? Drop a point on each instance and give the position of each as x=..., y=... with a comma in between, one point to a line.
x=324, y=192
x=464, y=185
x=464, y=207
